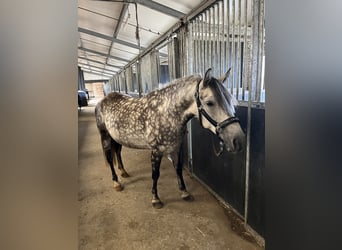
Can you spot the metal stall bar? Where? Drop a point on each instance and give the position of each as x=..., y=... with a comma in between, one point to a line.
x=182, y=54
x=233, y=46
x=206, y=32
x=215, y=65
x=115, y=85
x=210, y=44
x=203, y=49
x=194, y=39
x=171, y=58
x=155, y=66
x=260, y=49
x=222, y=40
x=145, y=65
x=183, y=51
x=218, y=39
x=245, y=61
x=129, y=80
x=192, y=47
x=238, y=51
x=197, y=45
x=255, y=11
x=228, y=50
x=139, y=81
x=122, y=81
x=135, y=88
x=249, y=111
x=225, y=38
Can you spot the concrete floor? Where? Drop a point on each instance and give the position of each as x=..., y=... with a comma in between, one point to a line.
x=126, y=220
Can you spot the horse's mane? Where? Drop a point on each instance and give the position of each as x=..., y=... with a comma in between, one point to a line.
x=223, y=97
x=170, y=85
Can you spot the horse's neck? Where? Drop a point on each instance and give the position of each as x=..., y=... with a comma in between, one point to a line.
x=182, y=99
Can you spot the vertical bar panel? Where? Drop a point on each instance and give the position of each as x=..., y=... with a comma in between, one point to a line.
x=261, y=49
x=222, y=40
x=217, y=32
x=203, y=49
x=155, y=65
x=238, y=52
x=135, y=78
x=233, y=47
x=245, y=59
x=190, y=48
x=170, y=51
x=214, y=50
x=194, y=48
x=176, y=57
x=255, y=9
x=198, y=46
x=226, y=38
x=208, y=32
x=206, y=45
x=139, y=80
x=128, y=76
x=249, y=113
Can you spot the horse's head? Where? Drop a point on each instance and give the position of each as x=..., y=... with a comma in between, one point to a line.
x=216, y=108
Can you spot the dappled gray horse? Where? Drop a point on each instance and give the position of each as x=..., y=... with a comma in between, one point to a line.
x=158, y=120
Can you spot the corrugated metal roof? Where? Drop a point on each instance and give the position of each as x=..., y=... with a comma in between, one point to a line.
x=107, y=31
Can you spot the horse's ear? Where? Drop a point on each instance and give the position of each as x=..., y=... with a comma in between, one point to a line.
x=207, y=75
x=223, y=78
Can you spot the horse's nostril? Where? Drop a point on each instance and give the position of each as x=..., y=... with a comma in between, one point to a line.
x=236, y=144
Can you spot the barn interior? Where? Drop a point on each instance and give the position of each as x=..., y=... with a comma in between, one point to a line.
x=135, y=47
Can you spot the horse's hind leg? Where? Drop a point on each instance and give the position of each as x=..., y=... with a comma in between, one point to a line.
x=117, y=148
x=155, y=160
x=106, y=141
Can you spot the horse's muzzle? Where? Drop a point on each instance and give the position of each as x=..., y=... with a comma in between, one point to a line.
x=237, y=144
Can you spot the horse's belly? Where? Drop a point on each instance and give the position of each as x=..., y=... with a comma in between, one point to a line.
x=133, y=142
x=129, y=138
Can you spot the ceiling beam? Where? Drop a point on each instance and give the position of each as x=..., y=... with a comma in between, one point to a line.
x=98, y=74
x=103, y=54
x=92, y=66
x=109, y=38
x=91, y=60
x=97, y=71
x=160, y=8
x=95, y=81
x=153, y=5
x=118, y=26
x=121, y=19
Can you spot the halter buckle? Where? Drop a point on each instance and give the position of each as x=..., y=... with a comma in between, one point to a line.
x=218, y=130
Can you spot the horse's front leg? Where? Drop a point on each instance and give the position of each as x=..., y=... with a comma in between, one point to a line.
x=177, y=161
x=155, y=160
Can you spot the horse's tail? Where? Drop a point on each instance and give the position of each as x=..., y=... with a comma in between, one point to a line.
x=99, y=117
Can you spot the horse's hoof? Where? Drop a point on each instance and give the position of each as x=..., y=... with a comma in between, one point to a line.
x=186, y=196
x=124, y=174
x=118, y=186
x=157, y=204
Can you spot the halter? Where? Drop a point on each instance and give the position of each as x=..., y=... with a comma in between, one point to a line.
x=218, y=126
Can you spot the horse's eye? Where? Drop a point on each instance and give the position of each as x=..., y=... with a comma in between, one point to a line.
x=210, y=103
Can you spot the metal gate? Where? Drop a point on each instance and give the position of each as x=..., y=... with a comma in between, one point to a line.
x=229, y=33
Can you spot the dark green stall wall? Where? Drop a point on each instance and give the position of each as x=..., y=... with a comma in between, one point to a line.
x=225, y=174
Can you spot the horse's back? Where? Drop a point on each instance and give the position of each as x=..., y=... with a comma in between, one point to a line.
x=124, y=118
